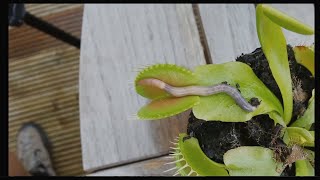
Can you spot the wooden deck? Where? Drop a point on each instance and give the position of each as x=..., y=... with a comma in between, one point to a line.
x=43, y=84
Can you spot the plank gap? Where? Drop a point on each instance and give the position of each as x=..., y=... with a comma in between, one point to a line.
x=202, y=34
x=122, y=164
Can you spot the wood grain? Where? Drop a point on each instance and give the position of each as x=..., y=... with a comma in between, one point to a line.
x=43, y=84
x=229, y=30
x=42, y=10
x=68, y=18
x=43, y=89
x=116, y=40
x=152, y=167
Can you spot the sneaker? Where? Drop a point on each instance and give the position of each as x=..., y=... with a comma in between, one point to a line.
x=33, y=150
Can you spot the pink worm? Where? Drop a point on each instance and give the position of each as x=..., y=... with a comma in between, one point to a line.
x=200, y=91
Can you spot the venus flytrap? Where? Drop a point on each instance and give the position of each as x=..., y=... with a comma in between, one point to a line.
x=305, y=167
x=190, y=159
x=305, y=56
x=269, y=23
x=211, y=92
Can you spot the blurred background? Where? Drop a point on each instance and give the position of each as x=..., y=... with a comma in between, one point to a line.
x=43, y=83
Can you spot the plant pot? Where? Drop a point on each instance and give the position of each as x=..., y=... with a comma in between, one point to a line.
x=216, y=137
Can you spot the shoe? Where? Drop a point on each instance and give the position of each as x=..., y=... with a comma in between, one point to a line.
x=33, y=150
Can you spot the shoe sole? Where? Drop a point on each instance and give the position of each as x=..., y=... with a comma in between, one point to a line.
x=43, y=135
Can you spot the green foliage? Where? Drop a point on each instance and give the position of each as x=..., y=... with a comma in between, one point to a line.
x=169, y=73
x=163, y=104
x=274, y=47
x=269, y=22
x=192, y=161
x=166, y=107
x=286, y=21
x=305, y=56
x=225, y=108
x=251, y=161
x=300, y=136
x=304, y=168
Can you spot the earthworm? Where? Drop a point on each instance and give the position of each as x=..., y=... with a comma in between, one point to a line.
x=200, y=91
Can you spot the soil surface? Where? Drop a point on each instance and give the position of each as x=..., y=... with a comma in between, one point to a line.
x=216, y=137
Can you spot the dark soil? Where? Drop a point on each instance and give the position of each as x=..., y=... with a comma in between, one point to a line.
x=216, y=137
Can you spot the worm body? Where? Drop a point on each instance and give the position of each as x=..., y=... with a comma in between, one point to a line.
x=200, y=91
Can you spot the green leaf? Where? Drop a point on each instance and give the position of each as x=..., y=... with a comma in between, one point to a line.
x=307, y=119
x=162, y=108
x=300, y=136
x=310, y=156
x=222, y=107
x=192, y=158
x=304, y=168
x=277, y=118
x=274, y=46
x=251, y=161
x=168, y=73
x=286, y=21
x=305, y=56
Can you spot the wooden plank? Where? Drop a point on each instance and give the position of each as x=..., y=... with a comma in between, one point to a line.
x=229, y=30
x=43, y=84
x=41, y=10
x=41, y=74
x=116, y=39
x=303, y=13
x=152, y=167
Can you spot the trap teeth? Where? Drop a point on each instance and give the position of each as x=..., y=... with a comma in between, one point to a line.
x=175, y=154
x=174, y=148
x=169, y=157
x=178, y=171
x=133, y=117
x=175, y=161
x=170, y=169
x=173, y=143
x=175, y=174
x=192, y=171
